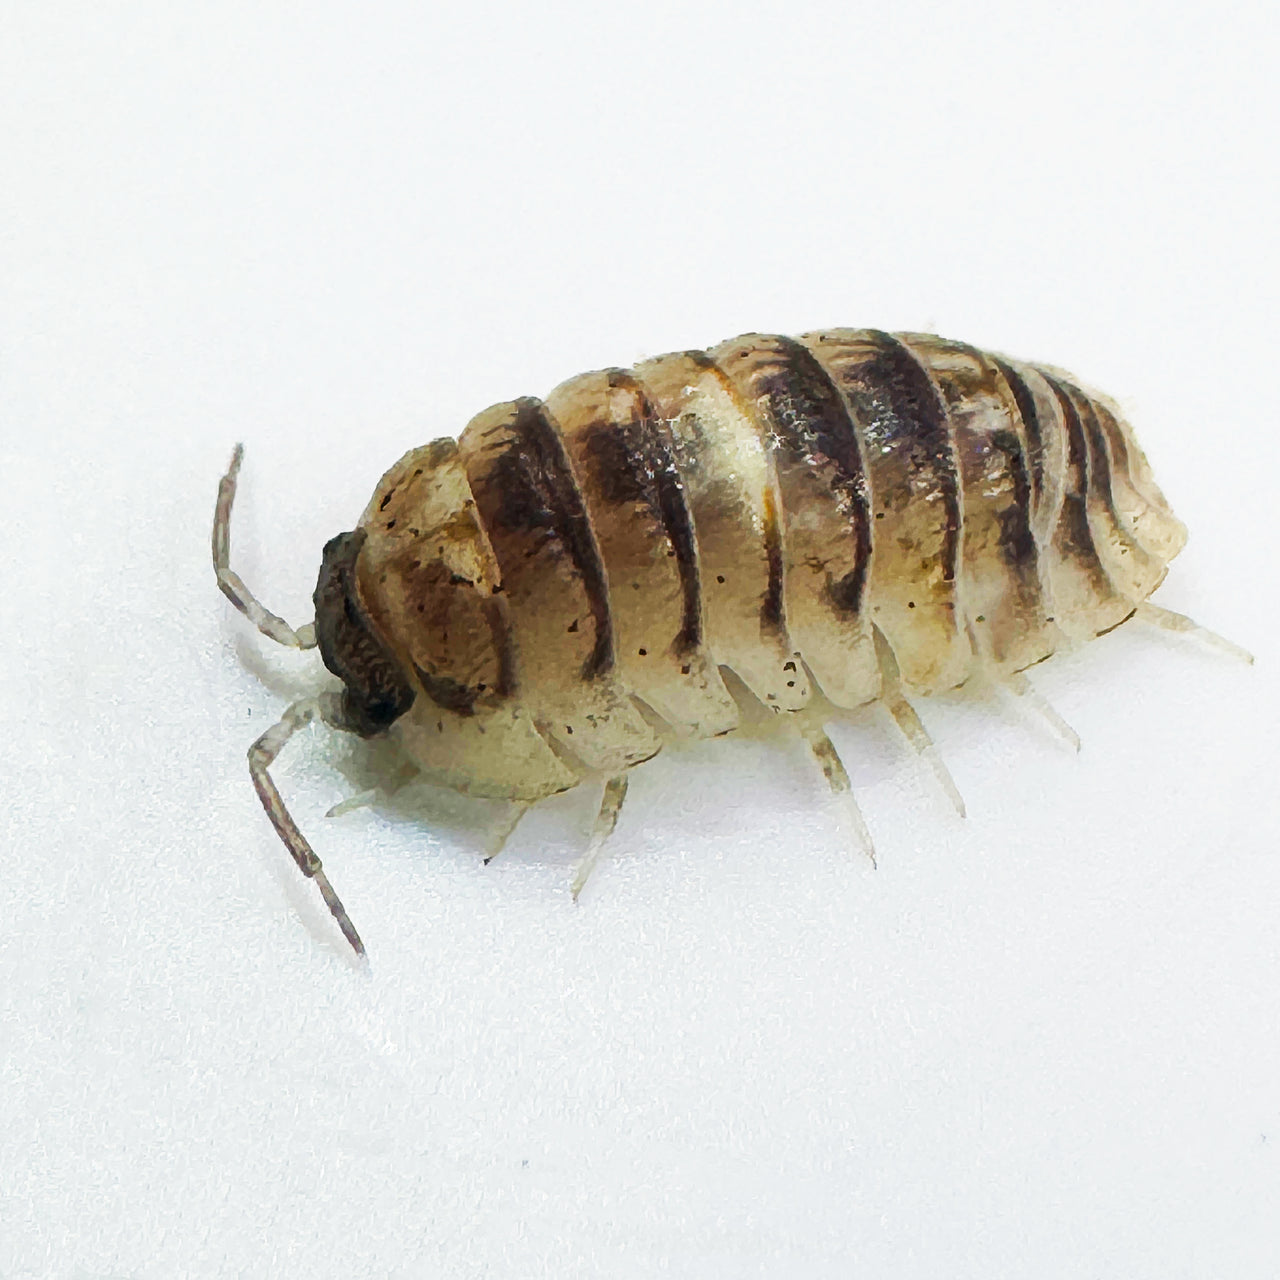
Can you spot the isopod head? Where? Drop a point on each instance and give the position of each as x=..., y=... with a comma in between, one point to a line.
x=377, y=690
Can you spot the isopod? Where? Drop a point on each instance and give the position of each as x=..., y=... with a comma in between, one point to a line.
x=814, y=523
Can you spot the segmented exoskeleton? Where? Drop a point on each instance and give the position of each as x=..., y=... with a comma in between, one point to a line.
x=816, y=521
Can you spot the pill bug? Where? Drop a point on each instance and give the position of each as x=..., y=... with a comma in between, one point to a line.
x=812, y=523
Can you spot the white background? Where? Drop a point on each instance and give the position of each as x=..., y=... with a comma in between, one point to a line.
x=1042, y=1042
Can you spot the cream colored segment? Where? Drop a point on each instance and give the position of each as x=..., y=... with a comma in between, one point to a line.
x=728, y=485
x=600, y=426
x=819, y=548
x=1141, y=507
x=1133, y=571
x=837, y=648
x=430, y=478
x=910, y=598
x=1082, y=607
x=1140, y=470
x=585, y=711
x=1084, y=601
x=1000, y=583
x=1052, y=452
x=494, y=748
x=496, y=753
x=1047, y=509
x=1147, y=518
x=427, y=572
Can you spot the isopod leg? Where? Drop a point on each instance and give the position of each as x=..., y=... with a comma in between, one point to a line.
x=498, y=841
x=1171, y=621
x=1016, y=683
x=905, y=715
x=824, y=751
x=362, y=799
x=261, y=756
x=615, y=792
x=230, y=582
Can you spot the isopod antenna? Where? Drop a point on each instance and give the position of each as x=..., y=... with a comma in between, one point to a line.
x=230, y=582
x=326, y=707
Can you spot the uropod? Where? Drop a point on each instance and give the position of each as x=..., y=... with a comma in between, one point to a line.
x=808, y=523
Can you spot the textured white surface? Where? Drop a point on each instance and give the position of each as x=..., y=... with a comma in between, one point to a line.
x=1045, y=1041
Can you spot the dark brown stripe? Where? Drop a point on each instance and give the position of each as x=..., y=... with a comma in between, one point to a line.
x=1016, y=539
x=496, y=615
x=813, y=424
x=1026, y=403
x=773, y=614
x=1099, y=462
x=900, y=398
x=651, y=448
x=1073, y=533
x=537, y=491
x=773, y=617
x=1122, y=465
x=1119, y=450
x=1100, y=474
x=446, y=692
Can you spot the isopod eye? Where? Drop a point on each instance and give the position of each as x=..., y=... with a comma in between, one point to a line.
x=377, y=692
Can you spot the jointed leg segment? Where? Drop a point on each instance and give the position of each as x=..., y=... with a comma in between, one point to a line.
x=1017, y=683
x=371, y=795
x=615, y=792
x=500, y=836
x=261, y=756
x=905, y=715
x=833, y=769
x=1170, y=621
